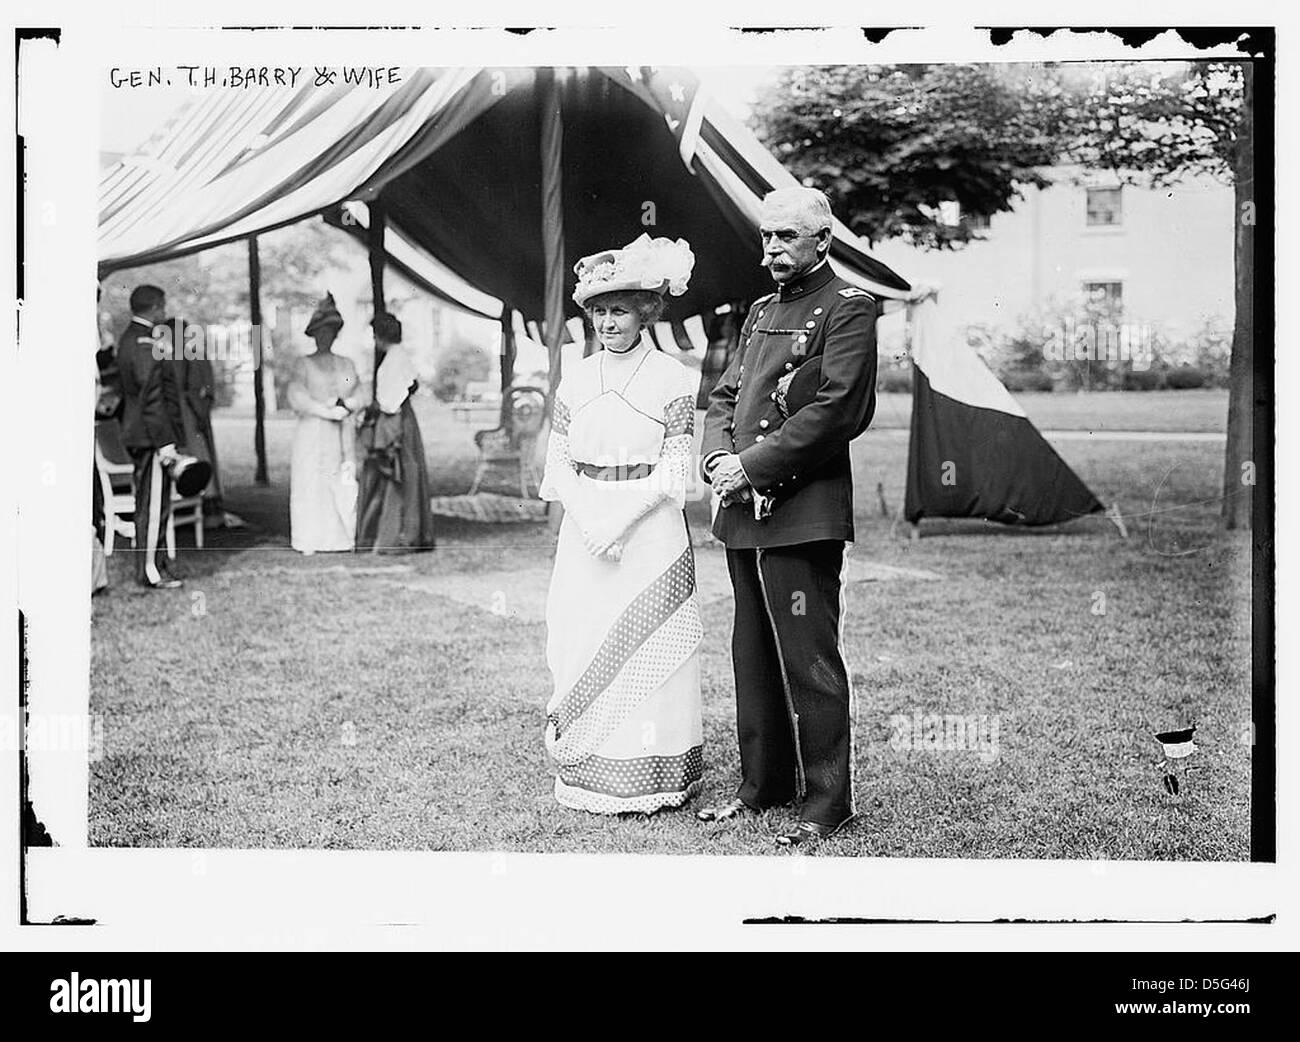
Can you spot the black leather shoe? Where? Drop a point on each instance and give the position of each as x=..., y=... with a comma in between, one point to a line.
x=167, y=583
x=724, y=811
x=808, y=833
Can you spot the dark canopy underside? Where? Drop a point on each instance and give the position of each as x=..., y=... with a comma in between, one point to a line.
x=475, y=202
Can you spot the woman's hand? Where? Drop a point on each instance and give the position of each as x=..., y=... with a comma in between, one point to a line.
x=602, y=546
x=602, y=539
x=608, y=551
x=337, y=413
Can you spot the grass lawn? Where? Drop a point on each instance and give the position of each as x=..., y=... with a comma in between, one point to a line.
x=1199, y=411
x=343, y=701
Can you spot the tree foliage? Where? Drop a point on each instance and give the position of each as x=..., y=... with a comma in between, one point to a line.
x=891, y=145
x=1164, y=121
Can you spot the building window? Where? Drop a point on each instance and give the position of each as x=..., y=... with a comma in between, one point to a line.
x=1108, y=294
x=1104, y=207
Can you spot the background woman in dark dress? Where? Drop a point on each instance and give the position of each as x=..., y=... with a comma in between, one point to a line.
x=393, y=514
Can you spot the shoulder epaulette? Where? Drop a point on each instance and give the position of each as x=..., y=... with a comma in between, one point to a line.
x=853, y=291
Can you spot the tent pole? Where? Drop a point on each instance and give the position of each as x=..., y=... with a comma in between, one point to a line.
x=552, y=220
x=551, y=141
x=259, y=398
x=375, y=246
x=508, y=354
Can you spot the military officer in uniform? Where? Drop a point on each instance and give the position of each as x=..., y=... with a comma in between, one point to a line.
x=152, y=428
x=801, y=386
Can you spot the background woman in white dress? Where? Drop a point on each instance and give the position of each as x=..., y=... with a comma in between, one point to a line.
x=324, y=391
x=624, y=721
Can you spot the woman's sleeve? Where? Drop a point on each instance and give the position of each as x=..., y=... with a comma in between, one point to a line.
x=299, y=399
x=560, y=478
x=675, y=459
x=393, y=382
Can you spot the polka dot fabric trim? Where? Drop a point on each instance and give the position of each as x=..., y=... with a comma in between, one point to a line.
x=640, y=776
x=675, y=465
x=654, y=662
x=599, y=803
x=652, y=607
x=559, y=474
x=560, y=417
x=679, y=417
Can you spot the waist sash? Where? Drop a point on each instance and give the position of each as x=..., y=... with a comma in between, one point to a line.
x=625, y=472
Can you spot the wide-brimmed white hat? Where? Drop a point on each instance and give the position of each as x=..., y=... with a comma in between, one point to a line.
x=659, y=265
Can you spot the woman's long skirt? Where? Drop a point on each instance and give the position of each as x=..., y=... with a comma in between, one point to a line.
x=322, y=487
x=624, y=722
x=393, y=505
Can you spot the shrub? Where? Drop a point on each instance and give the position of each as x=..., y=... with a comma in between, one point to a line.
x=1142, y=380
x=459, y=364
x=1028, y=380
x=1184, y=378
x=1211, y=347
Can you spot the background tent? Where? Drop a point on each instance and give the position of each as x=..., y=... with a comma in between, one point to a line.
x=485, y=186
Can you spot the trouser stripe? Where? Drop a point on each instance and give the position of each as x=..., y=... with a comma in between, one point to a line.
x=155, y=521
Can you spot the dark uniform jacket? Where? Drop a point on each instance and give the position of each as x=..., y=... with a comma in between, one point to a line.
x=152, y=416
x=820, y=330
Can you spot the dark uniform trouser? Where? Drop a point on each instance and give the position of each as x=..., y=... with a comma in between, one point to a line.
x=152, y=506
x=792, y=686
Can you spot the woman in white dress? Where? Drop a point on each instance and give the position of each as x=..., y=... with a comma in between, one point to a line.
x=624, y=721
x=324, y=391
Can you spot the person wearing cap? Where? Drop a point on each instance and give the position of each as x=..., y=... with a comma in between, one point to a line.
x=775, y=448
x=624, y=723
x=324, y=391
x=394, y=513
x=152, y=428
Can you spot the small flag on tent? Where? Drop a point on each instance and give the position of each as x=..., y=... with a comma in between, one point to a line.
x=973, y=452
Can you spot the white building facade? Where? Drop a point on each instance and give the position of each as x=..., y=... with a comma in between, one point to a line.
x=1163, y=256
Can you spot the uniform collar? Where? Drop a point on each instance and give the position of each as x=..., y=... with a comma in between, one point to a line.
x=814, y=278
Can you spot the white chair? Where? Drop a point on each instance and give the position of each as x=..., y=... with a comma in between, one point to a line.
x=187, y=511
x=117, y=481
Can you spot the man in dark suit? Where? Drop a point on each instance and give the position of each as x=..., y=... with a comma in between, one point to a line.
x=152, y=428
x=801, y=386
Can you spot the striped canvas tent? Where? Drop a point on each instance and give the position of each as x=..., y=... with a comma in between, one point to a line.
x=456, y=158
